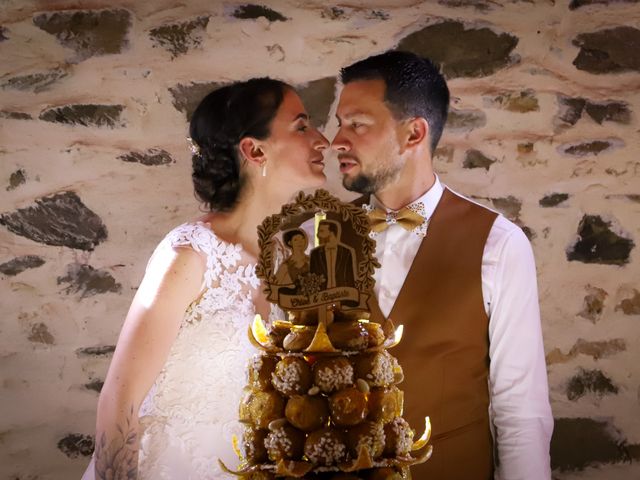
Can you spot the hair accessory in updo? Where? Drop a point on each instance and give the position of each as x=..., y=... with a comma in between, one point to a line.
x=193, y=146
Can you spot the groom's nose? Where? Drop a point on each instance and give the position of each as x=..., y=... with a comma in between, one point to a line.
x=340, y=143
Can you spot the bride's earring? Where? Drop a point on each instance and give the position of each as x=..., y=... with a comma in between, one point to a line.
x=264, y=168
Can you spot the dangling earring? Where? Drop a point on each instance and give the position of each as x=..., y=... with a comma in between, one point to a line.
x=264, y=168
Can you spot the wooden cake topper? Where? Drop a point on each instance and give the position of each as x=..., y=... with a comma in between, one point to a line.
x=328, y=254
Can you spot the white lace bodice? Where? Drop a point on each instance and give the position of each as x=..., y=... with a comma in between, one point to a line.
x=190, y=414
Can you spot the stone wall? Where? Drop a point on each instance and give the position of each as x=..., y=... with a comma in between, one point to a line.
x=95, y=97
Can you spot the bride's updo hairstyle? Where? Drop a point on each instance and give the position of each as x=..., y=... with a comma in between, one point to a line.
x=221, y=120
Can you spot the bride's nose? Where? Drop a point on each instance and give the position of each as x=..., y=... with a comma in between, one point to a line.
x=320, y=143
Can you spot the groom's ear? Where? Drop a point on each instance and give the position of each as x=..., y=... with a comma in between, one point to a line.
x=251, y=151
x=417, y=131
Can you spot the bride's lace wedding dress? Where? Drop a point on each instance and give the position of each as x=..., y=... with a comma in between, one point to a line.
x=189, y=416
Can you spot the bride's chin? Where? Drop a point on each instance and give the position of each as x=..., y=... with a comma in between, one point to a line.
x=315, y=179
x=320, y=179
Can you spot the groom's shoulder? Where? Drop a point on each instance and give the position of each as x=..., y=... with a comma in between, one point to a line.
x=502, y=227
x=473, y=201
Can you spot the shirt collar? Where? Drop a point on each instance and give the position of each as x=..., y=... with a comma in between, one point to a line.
x=429, y=199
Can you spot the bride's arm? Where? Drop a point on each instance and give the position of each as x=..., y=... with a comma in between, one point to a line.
x=173, y=279
x=282, y=275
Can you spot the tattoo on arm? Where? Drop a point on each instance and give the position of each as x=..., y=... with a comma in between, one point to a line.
x=117, y=458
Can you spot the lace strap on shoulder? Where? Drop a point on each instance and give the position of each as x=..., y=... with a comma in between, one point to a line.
x=194, y=235
x=202, y=239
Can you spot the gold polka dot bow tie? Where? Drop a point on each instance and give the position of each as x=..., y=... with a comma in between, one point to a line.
x=407, y=219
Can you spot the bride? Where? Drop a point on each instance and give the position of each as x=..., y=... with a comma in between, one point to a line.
x=169, y=403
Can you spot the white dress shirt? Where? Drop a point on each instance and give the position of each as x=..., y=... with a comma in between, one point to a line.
x=520, y=411
x=331, y=255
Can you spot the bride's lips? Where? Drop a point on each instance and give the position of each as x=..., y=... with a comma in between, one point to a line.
x=318, y=161
x=347, y=164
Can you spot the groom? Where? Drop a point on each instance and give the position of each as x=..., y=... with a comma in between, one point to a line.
x=332, y=259
x=460, y=277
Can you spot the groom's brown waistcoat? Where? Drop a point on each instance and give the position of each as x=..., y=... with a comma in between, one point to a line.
x=445, y=348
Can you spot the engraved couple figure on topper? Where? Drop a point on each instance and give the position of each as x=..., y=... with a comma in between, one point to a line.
x=331, y=260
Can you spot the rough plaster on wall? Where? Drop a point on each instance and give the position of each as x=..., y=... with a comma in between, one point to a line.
x=68, y=357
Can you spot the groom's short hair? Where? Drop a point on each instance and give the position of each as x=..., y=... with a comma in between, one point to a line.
x=414, y=87
x=332, y=226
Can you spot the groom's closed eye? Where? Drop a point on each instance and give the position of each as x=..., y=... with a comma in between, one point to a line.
x=355, y=120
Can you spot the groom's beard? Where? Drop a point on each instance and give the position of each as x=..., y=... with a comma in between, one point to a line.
x=372, y=182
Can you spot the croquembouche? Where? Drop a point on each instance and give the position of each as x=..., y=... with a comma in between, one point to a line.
x=322, y=399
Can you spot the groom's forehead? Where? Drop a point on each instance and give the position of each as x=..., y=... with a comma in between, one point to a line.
x=365, y=90
x=361, y=98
